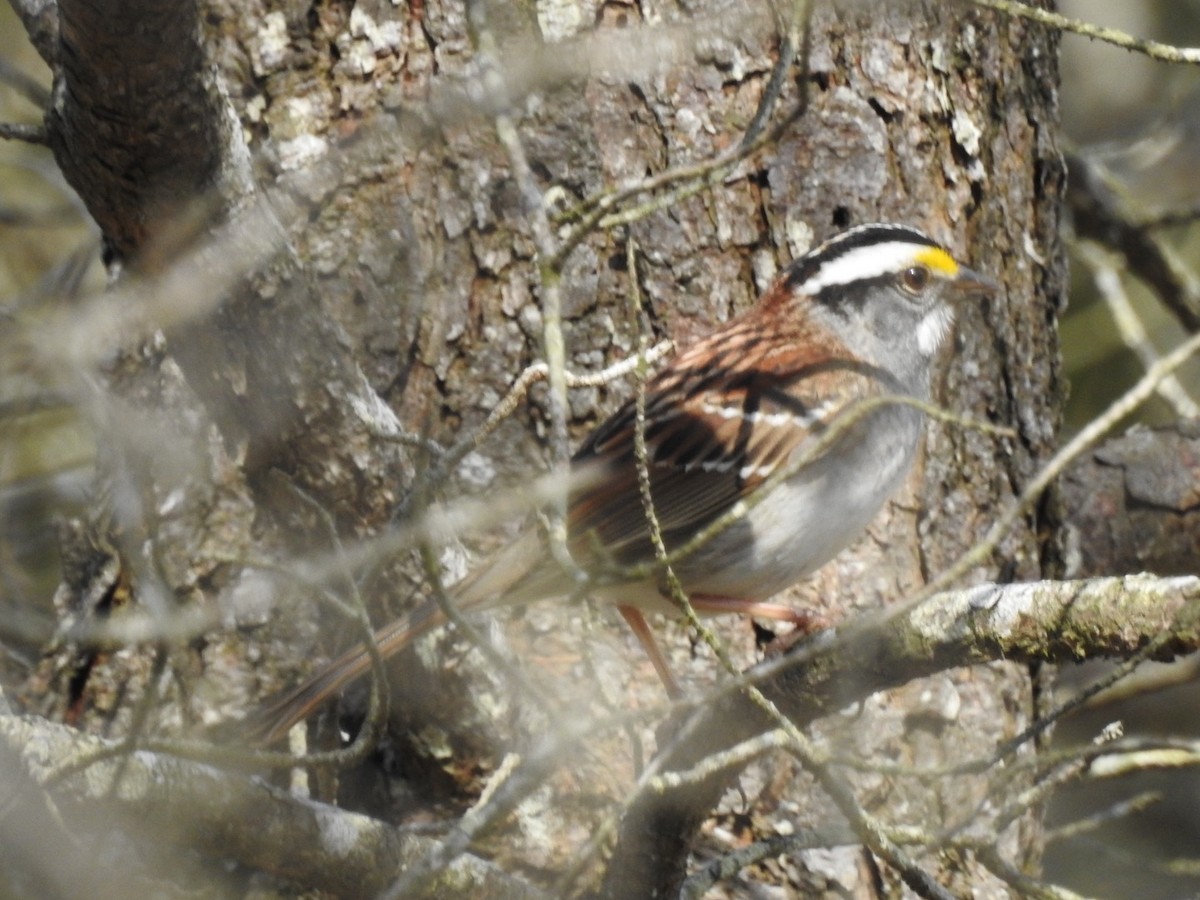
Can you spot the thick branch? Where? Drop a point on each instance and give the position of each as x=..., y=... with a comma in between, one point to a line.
x=199, y=808
x=137, y=124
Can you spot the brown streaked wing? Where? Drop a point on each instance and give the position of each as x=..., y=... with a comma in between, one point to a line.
x=711, y=441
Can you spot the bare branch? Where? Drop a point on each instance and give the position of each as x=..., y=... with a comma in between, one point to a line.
x=698, y=884
x=30, y=134
x=1130, y=328
x=1126, y=808
x=794, y=40
x=1153, y=49
x=1024, y=884
x=1104, y=215
x=138, y=124
x=1043, y=621
x=988, y=622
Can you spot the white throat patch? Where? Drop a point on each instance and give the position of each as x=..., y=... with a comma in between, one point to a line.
x=933, y=328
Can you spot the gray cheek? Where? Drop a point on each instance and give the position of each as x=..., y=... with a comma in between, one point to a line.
x=893, y=345
x=894, y=321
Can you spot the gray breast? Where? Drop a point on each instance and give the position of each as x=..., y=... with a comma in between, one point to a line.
x=807, y=520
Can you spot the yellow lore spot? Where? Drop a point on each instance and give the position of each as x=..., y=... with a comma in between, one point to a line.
x=937, y=260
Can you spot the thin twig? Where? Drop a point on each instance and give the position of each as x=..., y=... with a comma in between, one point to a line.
x=538, y=371
x=1105, y=212
x=553, y=341
x=498, y=663
x=377, y=704
x=1076, y=701
x=675, y=587
x=1117, y=811
x=869, y=830
x=795, y=39
x=604, y=209
x=40, y=18
x=522, y=780
x=739, y=754
x=726, y=866
x=1023, y=884
x=1169, y=218
x=1036, y=795
x=20, y=131
x=1154, y=49
x=1149, y=681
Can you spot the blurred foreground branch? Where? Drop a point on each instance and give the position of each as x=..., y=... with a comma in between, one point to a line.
x=1103, y=214
x=352, y=855
x=199, y=808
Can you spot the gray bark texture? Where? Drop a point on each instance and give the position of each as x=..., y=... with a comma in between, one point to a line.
x=266, y=433
x=1133, y=505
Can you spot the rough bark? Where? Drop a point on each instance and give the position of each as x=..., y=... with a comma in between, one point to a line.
x=136, y=124
x=1133, y=504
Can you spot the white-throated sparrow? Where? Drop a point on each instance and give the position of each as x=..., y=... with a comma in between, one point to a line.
x=861, y=316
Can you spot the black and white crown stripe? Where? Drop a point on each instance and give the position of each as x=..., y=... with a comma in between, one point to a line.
x=860, y=254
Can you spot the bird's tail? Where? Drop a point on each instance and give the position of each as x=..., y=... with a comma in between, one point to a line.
x=272, y=721
x=505, y=578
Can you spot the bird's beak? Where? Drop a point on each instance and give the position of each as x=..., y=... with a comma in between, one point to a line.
x=969, y=283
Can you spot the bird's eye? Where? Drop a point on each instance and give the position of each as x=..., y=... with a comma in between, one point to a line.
x=915, y=279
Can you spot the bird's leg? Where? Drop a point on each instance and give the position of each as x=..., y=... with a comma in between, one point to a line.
x=706, y=604
x=715, y=605
x=637, y=622
x=804, y=623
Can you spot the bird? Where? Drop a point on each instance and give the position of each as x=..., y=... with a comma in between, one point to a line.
x=765, y=426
